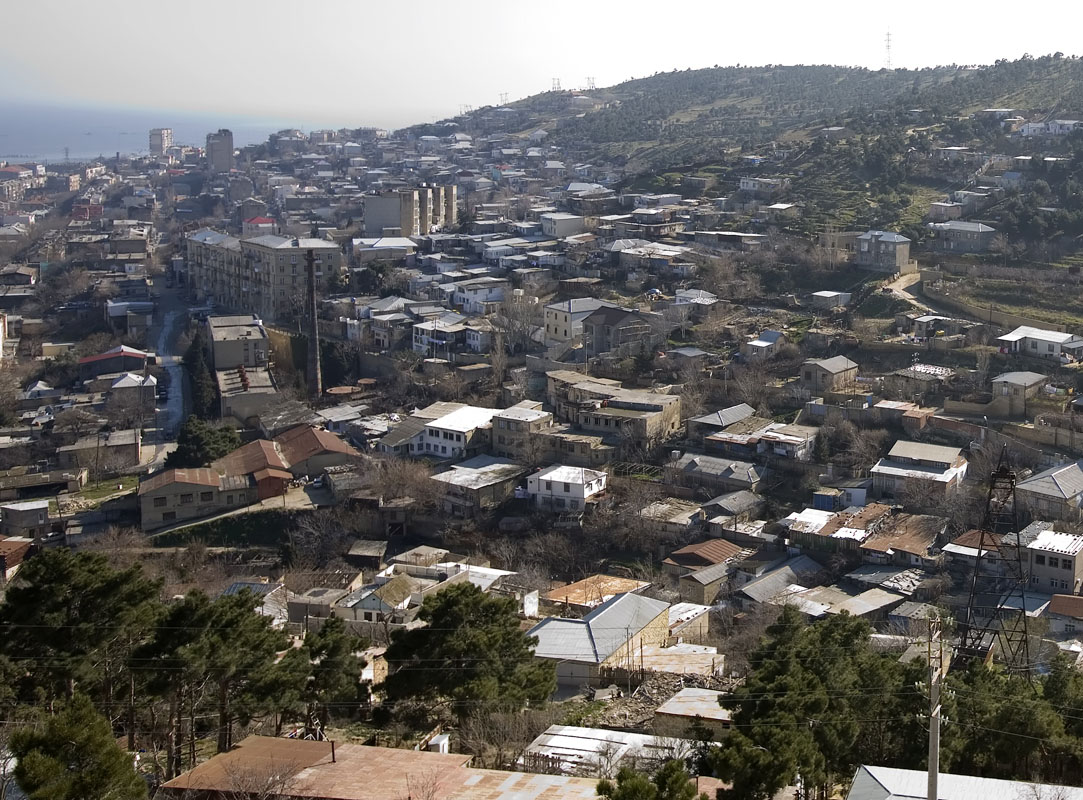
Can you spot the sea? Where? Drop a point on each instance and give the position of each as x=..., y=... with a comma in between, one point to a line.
x=54, y=134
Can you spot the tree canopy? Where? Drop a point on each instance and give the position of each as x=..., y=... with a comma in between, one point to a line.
x=471, y=654
x=73, y=756
x=199, y=443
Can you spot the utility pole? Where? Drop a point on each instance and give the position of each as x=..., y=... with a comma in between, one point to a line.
x=936, y=674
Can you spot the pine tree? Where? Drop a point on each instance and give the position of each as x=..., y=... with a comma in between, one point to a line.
x=73, y=756
x=471, y=654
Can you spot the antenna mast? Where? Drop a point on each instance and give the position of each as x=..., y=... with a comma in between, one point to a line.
x=556, y=85
x=887, y=48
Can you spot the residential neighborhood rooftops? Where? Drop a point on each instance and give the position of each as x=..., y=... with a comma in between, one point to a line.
x=599, y=634
x=1069, y=544
x=595, y=590
x=480, y=471
x=199, y=477
x=559, y=473
x=1021, y=378
x=695, y=702
x=465, y=419
x=1039, y=334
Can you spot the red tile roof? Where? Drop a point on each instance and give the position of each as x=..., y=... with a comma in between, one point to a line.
x=1067, y=605
x=250, y=458
x=260, y=221
x=302, y=442
x=704, y=554
x=122, y=350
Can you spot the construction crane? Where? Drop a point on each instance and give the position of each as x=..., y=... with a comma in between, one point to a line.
x=995, y=622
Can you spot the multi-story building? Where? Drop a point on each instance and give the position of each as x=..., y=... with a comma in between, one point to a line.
x=411, y=212
x=514, y=430
x=264, y=275
x=220, y=151
x=393, y=213
x=1055, y=563
x=236, y=341
x=161, y=139
x=882, y=251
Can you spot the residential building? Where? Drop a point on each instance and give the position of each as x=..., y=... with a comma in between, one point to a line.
x=1055, y=493
x=361, y=772
x=1055, y=563
x=273, y=280
x=179, y=495
x=610, y=636
x=1018, y=388
x=1065, y=614
x=244, y=393
x=394, y=213
x=220, y=151
x=478, y=484
x=26, y=518
x=1040, y=343
x=925, y=469
x=561, y=488
x=763, y=187
x=836, y=374
x=693, y=706
x=119, y=359
x=263, y=461
x=700, y=555
x=589, y=593
x=160, y=140
x=564, y=320
x=882, y=251
x=460, y=433
x=763, y=346
x=239, y=340
x=514, y=433
x=106, y=453
x=697, y=428
x=637, y=420
x=960, y=236
x=622, y=332
x=716, y=475
x=309, y=450
x=889, y=783
x=560, y=225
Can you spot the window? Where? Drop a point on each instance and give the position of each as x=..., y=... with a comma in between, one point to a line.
x=573, y=505
x=185, y=498
x=548, y=486
x=159, y=502
x=1054, y=562
x=229, y=499
x=1066, y=563
x=567, y=488
x=206, y=497
x=1039, y=560
x=168, y=516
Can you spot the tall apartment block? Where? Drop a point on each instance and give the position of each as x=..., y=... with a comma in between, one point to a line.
x=410, y=212
x=220, y=150
x=161, y=139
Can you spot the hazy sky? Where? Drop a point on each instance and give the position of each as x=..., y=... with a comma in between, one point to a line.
x=396, y=62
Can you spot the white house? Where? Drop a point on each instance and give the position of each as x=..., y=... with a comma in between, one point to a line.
x=472, y=295
x=451, y=435
x=560, y=488
x=1041, y=343
x=561, y=225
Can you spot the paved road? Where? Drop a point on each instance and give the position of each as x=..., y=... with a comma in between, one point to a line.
x=170, y=414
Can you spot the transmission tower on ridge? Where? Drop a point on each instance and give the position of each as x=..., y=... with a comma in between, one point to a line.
x=590, y=84
x=887, y=49
x=996, y=621
x=503, y=98
x=556, y=84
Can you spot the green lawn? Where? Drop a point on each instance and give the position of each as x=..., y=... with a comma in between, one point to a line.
x=96, y=491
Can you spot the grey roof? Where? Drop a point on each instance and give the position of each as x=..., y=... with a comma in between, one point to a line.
x=403, y=432
x=961, y=225
x=727, y=416
x=1064, y=481
x=884, y=236
x=600, y=633
x=1021, y=378
x=711, y=574
x=919, y=451
x=735, y=503
x=775, y=582
x=696, y=464
x=834, y=365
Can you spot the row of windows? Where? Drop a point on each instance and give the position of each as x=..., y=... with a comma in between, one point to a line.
x=1054, y=583
x=1057, y=563
x=189, y=498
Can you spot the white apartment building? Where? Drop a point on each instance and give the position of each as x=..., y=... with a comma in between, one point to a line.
x=453, y=435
